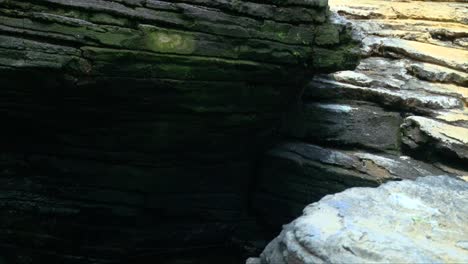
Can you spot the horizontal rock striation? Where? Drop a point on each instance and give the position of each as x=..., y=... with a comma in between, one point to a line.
x=402, y=113
x=344, y=123
x=415, y=63
x=295, y=173
x=130, y=126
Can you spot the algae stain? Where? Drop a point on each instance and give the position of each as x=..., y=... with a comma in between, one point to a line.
x=170, y=42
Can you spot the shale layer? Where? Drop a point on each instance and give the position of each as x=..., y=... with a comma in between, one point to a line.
x=131, y=127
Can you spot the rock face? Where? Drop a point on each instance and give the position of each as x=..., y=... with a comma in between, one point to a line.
x=129, y=127
x=419, y=221
x=295, y=173
x=400, y=114
x=416, y=63
x=360, y=124
x=422, y=132
x=414, y=58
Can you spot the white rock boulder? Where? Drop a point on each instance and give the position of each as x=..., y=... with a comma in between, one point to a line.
x=421, y=221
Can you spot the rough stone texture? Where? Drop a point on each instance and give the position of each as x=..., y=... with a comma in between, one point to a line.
x=387, y=82
x=294, y=174
x=130, y=127
x=421, y=221
x=413, y=65
x=402, y=109
x=428, y=135
x=435, y=73
x=346, y=123
x=409, y=88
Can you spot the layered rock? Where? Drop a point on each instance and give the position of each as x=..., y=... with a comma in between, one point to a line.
x=421, y=132
x=417, y=221
x=400, y=114
x=295, y=173
x=345, y=123
x=130, y=127
x=416, y=64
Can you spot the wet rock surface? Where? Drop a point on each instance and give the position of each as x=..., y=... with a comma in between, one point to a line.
x=422, y=218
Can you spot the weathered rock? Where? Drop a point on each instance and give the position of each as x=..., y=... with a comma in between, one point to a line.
x=435, y=73
x=439, y=33
x=423, y=102
x=399, y=48
x=457, y=117
x=387, y=82
x=253, y=261
x=347, y=123
x=429, y=135
x=439, y=11
x=295, y=174
x=419, y=221
x=131, y=126
x=413, y=65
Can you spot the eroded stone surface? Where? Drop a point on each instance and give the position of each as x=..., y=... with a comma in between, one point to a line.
x=131, y=127
x=295, y=173
x=347, y=123
x=412, y=78
x=419, y=221
x=428, y=135
x=413, y=62
x=412, y=65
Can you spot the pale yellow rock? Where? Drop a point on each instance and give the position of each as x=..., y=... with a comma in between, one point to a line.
x=456, y=115
x=453, y=58
x=417, y=10
x=420, y=41
x=441, y=131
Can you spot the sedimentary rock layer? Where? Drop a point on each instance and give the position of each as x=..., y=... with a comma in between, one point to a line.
x=416, y=64
x=130, y=127
x=402, y=109
x=295, y=173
